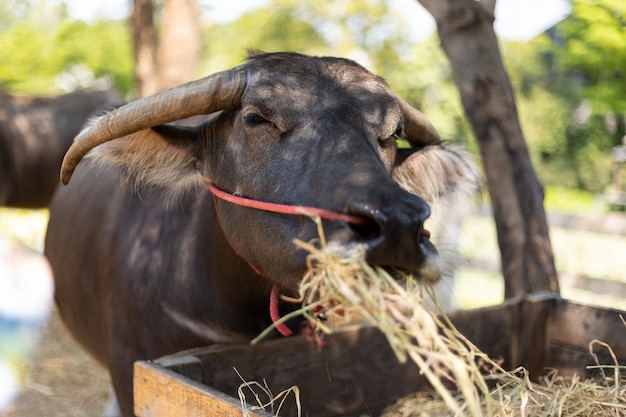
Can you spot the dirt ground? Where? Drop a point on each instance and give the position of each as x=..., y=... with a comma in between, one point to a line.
x=62, y=380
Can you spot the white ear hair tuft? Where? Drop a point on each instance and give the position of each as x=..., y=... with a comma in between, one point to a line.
x=437, y=172
x=447, y=179
x=149, y=160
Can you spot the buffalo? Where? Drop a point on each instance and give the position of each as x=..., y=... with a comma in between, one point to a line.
x=35, y=133
x=148, y=261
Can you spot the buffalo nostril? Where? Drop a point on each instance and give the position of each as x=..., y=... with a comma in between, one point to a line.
x=393, y=234
x=369, y=226
x=367, y=230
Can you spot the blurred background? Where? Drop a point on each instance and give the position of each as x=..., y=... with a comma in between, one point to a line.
x=566, y=60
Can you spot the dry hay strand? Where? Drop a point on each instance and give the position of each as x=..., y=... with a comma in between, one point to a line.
x=460, y=374
x=265, y=400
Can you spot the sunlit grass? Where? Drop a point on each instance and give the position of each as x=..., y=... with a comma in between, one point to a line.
x=567, y=200
x=571, y=201
x=27, y=227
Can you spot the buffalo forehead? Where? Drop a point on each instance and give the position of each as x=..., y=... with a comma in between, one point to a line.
x=276, y=93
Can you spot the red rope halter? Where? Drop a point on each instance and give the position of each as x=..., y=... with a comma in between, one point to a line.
x=283, y=209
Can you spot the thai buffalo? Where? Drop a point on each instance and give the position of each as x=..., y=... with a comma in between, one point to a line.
x=35, y=133
x=157, y=264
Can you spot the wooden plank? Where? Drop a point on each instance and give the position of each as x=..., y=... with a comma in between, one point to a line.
x=355, y=373
x=514, y=331
x=492, y=329
x=183, y=364
x=160, y=392
x=572, y=328
x=531, y=343
x=577, y=324
x=359, y=361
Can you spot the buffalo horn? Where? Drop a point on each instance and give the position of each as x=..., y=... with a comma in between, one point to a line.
x=418, y=129
x=215, y=92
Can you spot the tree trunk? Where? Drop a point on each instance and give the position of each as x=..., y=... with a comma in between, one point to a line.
x=174, y=58
x=466, y=31
x=144, y=43
x=179, y=44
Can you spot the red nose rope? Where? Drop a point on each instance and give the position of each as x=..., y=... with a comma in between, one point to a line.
x=292, y=210
x=275, y=315
x=285, y=208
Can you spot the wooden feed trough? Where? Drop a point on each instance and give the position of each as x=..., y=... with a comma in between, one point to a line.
x=358, y=374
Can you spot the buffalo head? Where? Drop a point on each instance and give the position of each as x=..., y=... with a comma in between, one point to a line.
x=297, y=130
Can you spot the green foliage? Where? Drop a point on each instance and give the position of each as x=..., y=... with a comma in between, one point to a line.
x=571, y=84
x=37, y=54
x=593, y=53
x=424, y=78
x=27, y=69
x=570, y=200
x=104, y=47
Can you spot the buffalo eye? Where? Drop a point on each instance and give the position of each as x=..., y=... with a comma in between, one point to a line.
x=254, y=119
x=387, y=142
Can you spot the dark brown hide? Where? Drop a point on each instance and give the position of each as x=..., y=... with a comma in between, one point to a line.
x=35, y=133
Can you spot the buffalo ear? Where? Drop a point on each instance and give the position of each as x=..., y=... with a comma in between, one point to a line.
x=178, y=136
x=165, y=156
x=436, y=171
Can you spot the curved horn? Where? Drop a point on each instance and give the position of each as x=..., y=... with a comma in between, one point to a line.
x=215, y=92
x=418, y=129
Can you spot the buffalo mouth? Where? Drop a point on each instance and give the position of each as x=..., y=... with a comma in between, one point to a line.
x=419, y=258
x=430, y=269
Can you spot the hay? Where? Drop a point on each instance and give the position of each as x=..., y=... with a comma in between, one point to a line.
x=517, y=396
x=265, y=400
x=339, y=285
x=458, y=371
